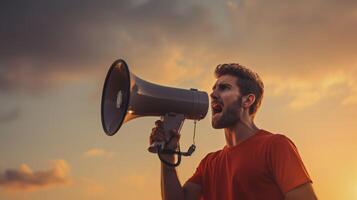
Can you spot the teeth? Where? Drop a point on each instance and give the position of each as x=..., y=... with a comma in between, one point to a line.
x=216, y=108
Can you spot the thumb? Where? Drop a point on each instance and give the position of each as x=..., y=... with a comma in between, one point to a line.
x=175, y=134
x=173, y=141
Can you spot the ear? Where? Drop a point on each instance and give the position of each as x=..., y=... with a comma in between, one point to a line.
x=248, y=100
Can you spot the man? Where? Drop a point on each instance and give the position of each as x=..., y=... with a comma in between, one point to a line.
x=254, y=164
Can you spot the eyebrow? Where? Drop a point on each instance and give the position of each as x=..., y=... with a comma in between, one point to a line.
x=221, y=84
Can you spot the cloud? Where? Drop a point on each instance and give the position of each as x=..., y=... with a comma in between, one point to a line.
x=310, y=90
x=24, y=179
x=42, y=41
x=10, y=115
x=135, y=180
x=96, y=152
x=91, y=187
x=292, y=37
x=350, y=100
x=174, y=42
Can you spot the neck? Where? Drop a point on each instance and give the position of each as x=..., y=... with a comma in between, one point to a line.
x=239, y=132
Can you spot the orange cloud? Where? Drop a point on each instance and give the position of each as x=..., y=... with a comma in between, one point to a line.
x=136, y=180
x=24, y=179
x=96, y=152
x=309, y=90
x=91, y=187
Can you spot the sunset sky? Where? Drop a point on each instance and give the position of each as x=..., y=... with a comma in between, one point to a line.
x=54, y=56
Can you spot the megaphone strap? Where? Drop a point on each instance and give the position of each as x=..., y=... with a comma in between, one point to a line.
x=169, y=151
x=189, y=152
x=178, y=153
x=165, y=151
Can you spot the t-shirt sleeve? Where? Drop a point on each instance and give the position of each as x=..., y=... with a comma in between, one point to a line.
x=197, y=177
x=286, y=164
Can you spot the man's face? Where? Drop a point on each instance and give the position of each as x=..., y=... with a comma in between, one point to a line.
x=225, y=102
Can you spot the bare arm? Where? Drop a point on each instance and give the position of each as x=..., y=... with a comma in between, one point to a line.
x=171, y=187
x=170, y=184
x=303, y=192
x=192, y=191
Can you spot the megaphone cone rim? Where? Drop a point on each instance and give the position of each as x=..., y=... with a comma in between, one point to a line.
x=127, y=73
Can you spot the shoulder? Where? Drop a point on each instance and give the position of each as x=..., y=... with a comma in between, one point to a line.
x=276, y=139
x=212, y=155
x=281, y=147
x=209, y=158
x=276, y=143
x=281, y=141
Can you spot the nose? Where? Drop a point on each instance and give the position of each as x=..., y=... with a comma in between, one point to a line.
x=214, y=95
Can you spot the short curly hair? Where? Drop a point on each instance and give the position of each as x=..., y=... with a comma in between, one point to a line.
x=248, y=82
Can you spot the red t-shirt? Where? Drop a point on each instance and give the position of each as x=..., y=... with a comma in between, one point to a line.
x=264, y=166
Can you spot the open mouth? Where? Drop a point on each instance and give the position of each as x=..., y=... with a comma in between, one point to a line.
x=216, y=108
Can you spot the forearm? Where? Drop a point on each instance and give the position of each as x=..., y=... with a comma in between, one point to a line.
x=171, y=187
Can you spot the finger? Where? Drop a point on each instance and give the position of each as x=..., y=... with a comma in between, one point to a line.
x=153, y=130
x=176, y=138
x=174, y=132
x=173, y=139
x=157, y=130
x=173, y=143
x=156, y=138
x=158, y=123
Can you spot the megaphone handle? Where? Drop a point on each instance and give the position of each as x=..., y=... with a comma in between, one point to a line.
x=170, y=121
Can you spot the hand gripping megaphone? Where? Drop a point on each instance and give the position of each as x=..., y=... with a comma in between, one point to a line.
x=126, y=97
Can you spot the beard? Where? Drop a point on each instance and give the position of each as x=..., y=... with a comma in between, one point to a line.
x=229, y=116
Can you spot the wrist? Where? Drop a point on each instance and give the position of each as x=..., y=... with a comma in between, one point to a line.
x=168, y=159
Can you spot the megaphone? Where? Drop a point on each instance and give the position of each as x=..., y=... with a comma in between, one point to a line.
x=126, y=97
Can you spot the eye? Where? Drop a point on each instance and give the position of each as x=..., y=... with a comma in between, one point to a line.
x=223, y=87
